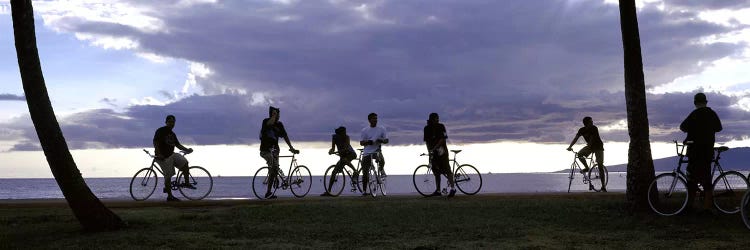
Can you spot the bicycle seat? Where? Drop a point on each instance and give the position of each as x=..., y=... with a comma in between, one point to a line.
x=721, y=149
x=456, y=151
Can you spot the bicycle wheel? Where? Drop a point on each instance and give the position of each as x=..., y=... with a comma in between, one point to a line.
x=200, y=183
x=143, y=184
x=260, y=183
x=468, y=179
x=667, y=194
x=339, y=181
x=423, y=180
x=729, y=188
x=571, y=176
x=356, y=180
x=595, y=178
x=373, y=181
x=745, y=209
x=300, y=181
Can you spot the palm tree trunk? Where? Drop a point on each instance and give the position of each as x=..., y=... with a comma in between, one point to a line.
x=91, y=213
x=640, y=164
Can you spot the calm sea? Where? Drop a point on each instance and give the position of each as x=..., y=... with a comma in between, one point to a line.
x=240, y=187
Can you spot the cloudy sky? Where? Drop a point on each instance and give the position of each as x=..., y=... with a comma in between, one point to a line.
x=521, y=72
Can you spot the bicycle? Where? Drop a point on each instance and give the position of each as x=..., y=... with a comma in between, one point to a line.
x=668, y=194
x=466, y=177
x=377, y=179
x=298, y=181
x=339, y=180
x=593, y=177
x=144, y=182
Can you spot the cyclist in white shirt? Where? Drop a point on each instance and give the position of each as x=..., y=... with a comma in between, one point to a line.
x=372, y=138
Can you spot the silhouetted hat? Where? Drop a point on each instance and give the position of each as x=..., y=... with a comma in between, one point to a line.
x=700, y=98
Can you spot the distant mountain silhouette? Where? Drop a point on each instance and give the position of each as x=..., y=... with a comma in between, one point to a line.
x=733, y=159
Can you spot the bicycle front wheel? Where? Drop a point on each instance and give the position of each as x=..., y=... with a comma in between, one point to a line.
x=300, y=181
x=143, y=184
x=667, y=194
x=199, y=183
x=729, y=188
x=468, y=179
x=745, y=209
x=336, y=182
x=598, y=180
x=423, y=180
x=373, y=181
x=260, y=183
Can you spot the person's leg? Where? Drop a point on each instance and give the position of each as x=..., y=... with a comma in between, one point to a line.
x=181, y=163
x=582, y=154
x=336, y=170
x=445, y=161
x=272, y=168
x=366, y=165
x=436, y=171
x=705, y=169
x=167, y=166
x=599, y=154
x=381, y=163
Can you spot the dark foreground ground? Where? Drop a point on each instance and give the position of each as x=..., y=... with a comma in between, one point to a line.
x=582, y=220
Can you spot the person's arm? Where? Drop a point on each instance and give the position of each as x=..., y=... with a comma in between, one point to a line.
x=333, y=145
x=180, y=146
x=685, y=125
x=384, y=138
x=363, y=139
x=575, y=139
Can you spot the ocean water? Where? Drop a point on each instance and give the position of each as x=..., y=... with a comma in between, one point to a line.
x=240, y=187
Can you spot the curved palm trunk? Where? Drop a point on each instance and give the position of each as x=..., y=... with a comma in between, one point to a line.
x=640, y=164
x=92, y=214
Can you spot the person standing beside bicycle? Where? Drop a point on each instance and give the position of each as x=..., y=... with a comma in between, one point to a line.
x=270, y=131
x=594, y=144
x=434, y=137
x=165, y=140
x=372, y=138
x=701, y=126
x=346, y=154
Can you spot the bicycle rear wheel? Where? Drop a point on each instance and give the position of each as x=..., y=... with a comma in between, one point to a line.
x=595, y=178
x=468, y=179
x=260, y=183
x=667, y=194
x=745, y=209
x=423, y=180
x=339, y=181
x=300, y=181
x=200, y=183
x=143, y=184
x=729, y=188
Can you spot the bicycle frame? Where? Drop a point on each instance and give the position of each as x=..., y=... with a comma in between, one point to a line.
x=154, y=165
x=680, y=149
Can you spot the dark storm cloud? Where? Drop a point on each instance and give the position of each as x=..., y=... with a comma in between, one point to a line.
x=709, y=4
x=494, y=70
x=12, y=97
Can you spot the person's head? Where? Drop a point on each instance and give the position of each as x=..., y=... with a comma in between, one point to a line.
x=434, y=118
x=273, y=110
x=587, y=121
x=170, y=120
x=340, y=130
x=700, y=100
x=373, y=119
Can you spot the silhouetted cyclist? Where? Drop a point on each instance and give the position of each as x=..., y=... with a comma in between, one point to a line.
x=594, y=144
x=270, y=131
x=341, y=141
x=701, y=126
x=372, y=138
x=434, y=137
x=165, y=140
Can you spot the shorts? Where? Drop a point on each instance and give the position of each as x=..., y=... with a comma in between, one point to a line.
x=441, y=164
x=173, y=161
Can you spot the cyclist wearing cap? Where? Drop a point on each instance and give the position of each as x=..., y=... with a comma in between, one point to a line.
x=270, y=131
x=165, y=140
x=701, y=126
x=346, y=154
x=594, y=144
x=434, y=137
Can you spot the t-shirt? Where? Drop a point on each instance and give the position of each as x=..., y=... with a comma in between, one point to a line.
x=372, y=133
x=701, y=126
x=433, y=133
x=164, y=142
x=591, y=135
x=270, y=134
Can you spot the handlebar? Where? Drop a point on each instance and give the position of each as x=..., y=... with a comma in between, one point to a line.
x=183, y=152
